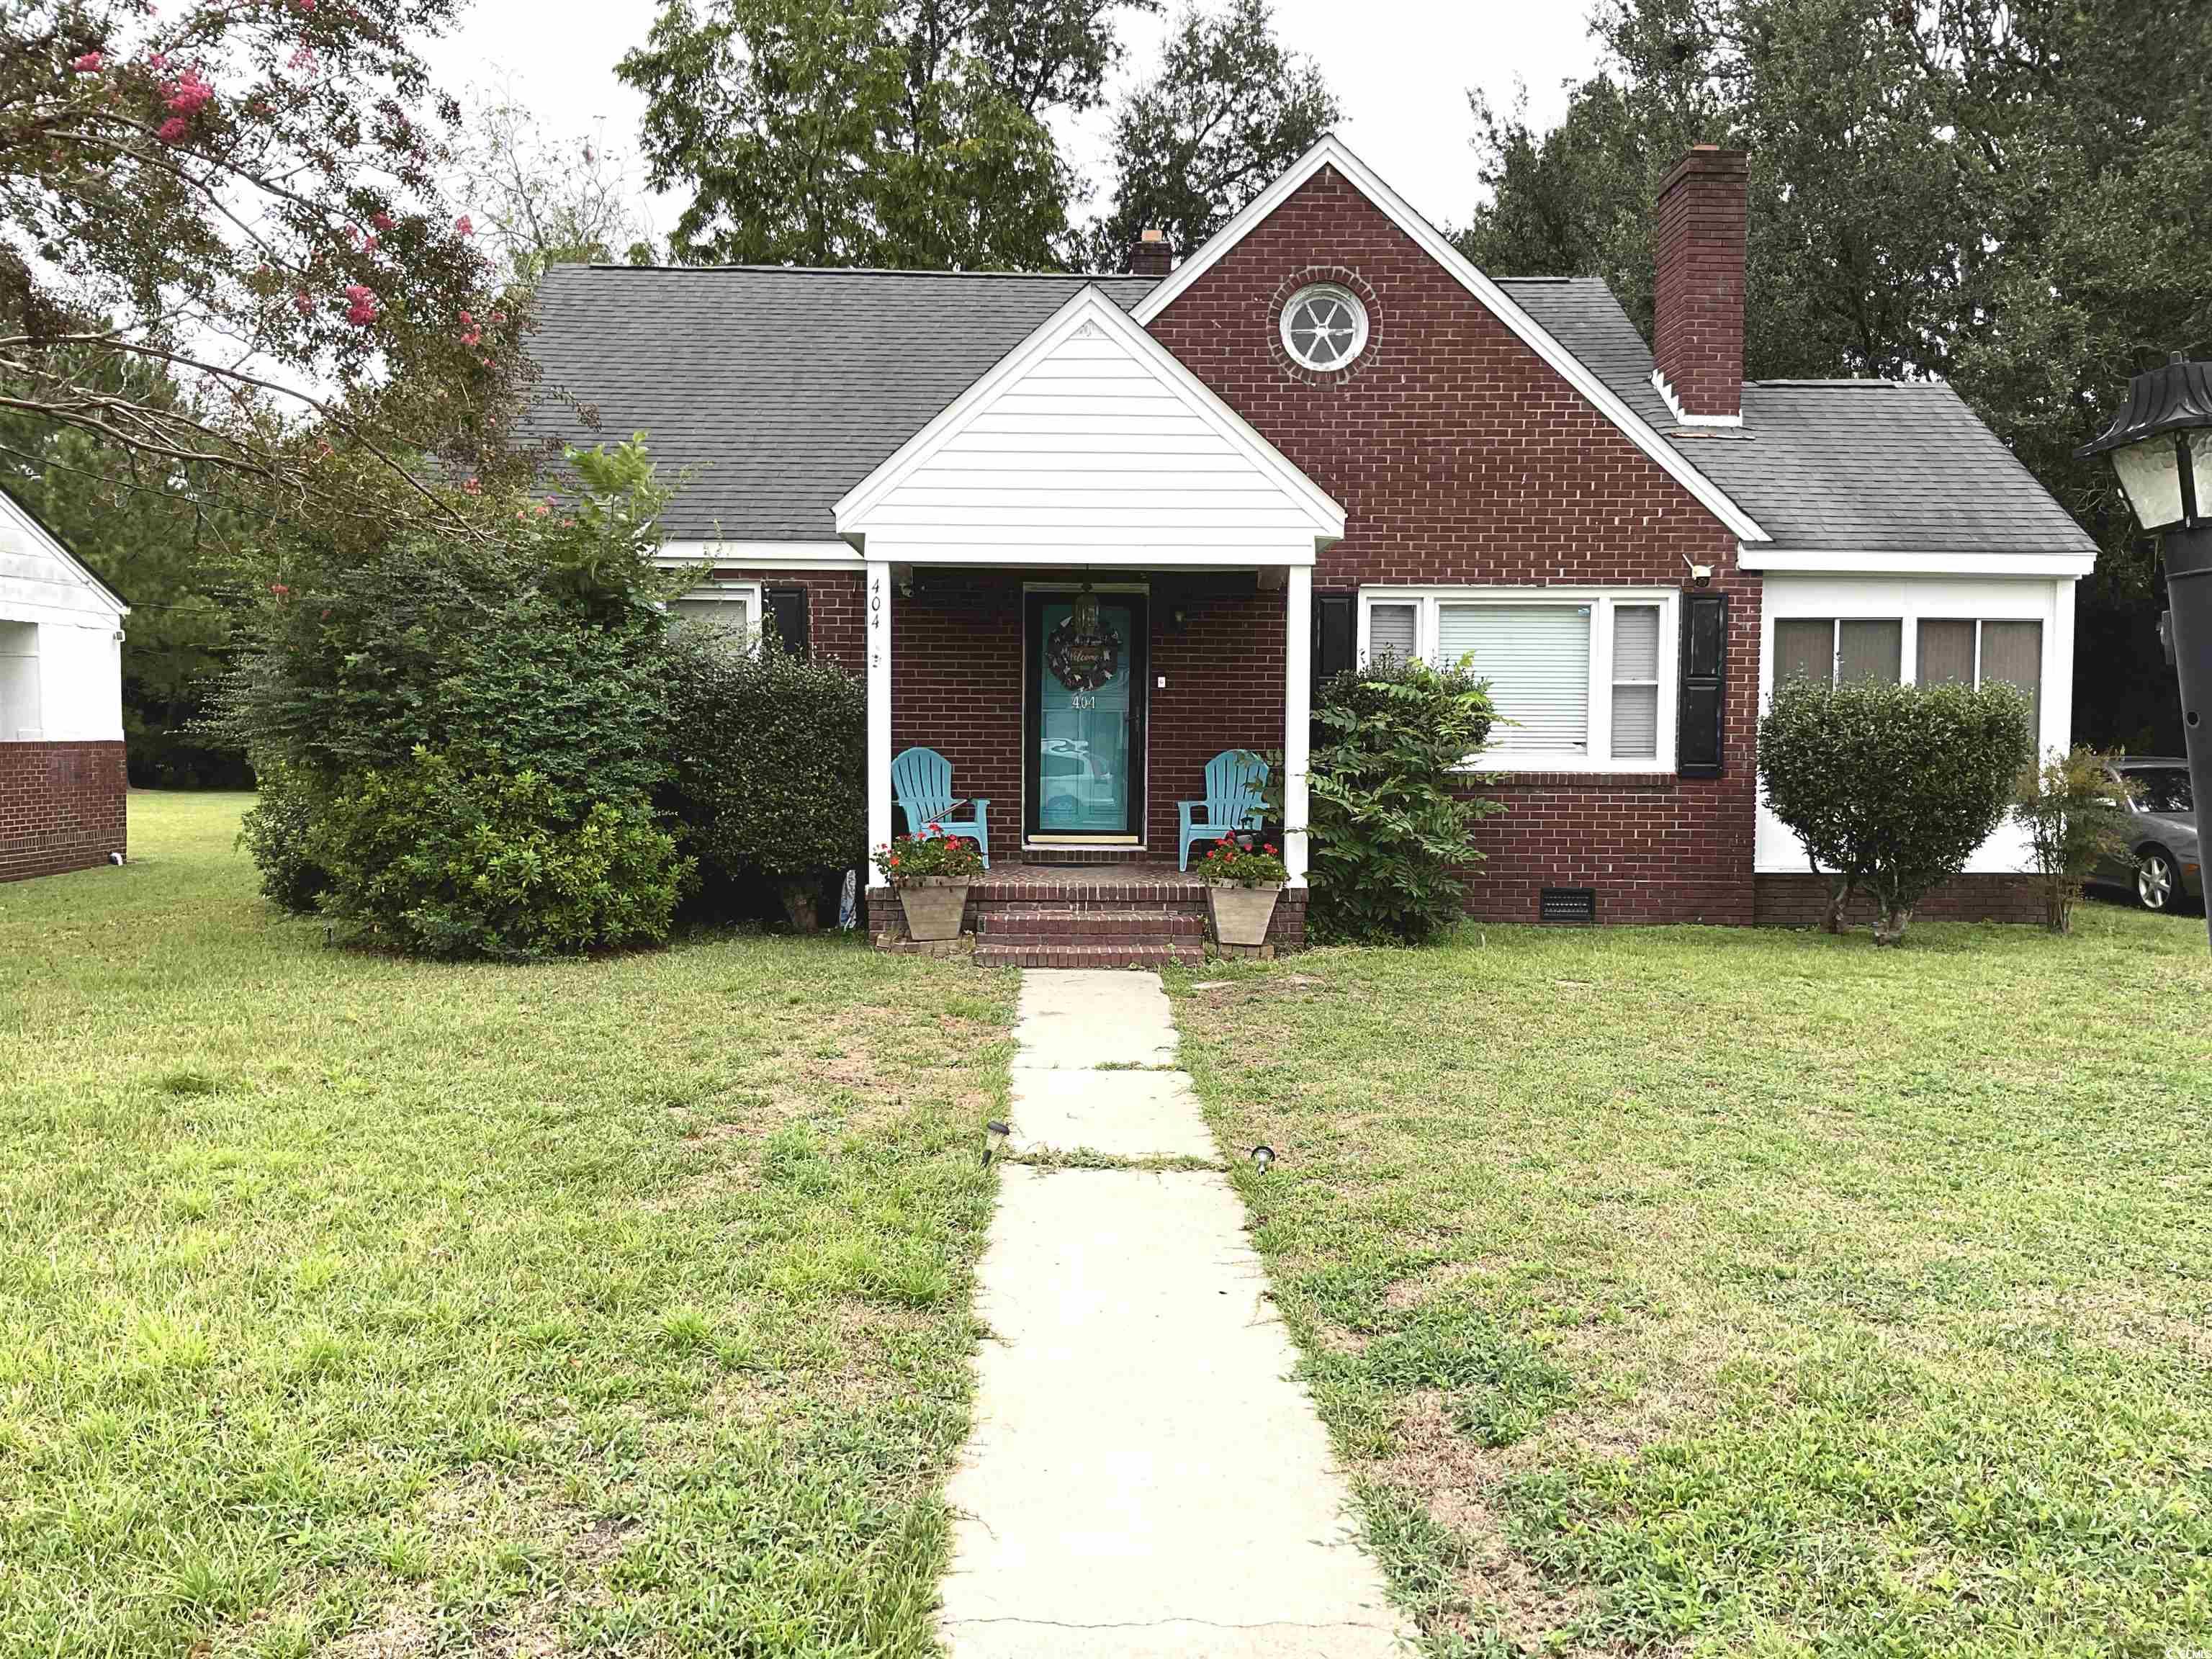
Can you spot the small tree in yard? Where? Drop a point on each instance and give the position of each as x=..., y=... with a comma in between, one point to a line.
x=1892, y=787
x=768, y=752
x=2071, y=810
x=1391, y=824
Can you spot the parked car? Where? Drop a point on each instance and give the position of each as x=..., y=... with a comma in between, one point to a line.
x=2164, y=866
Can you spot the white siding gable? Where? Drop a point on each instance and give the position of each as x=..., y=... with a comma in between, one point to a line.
x=1090, y=444
x=39, y=581
x=61, y=632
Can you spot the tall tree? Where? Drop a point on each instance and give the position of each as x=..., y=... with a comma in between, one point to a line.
x=897, y=133
x=543, y=198
x=1230, y=108
x=2013, y=194
x=247, y=196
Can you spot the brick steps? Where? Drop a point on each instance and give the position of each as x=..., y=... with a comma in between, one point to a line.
x=1088, y=954
x=1152, y=926
x=1059, y=923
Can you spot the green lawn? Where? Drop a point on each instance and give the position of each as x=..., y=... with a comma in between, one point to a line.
x=390, y=1309
x=1726, y=1292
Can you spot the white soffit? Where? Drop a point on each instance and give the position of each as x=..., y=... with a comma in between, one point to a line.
x=1330, y=152
x=1936, y=563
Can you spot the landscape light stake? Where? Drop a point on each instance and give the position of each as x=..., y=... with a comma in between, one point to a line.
x=994, y=1136
x=1263, y=1158
x=2161, y=447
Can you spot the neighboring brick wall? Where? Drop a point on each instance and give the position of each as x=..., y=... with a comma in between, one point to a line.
x=1698, y=242
x=1802, y=901
x=836, y=610
x=62, y=806
x=1460, y=456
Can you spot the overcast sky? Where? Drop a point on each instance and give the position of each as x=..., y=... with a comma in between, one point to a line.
x=1401, y=69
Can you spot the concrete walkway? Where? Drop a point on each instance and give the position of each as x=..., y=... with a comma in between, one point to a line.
x=1145, y=1480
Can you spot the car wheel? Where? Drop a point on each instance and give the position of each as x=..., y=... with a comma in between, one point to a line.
x=2156, y=886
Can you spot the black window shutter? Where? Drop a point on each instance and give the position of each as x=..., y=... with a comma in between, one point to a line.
x=1335, y=637
x=787, y=607
x=1704, y=685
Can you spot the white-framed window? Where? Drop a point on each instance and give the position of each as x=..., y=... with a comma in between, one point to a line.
x=735, y=606
x=19, y=681
x=1981, y=651
x=1324, y=325
x=1837, y=650
x=1586, y=677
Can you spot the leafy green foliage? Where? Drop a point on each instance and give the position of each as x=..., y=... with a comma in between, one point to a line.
x=2014, y=196
x=1230, y=865
x=1229, y=110
x=1391, y=823
x=438, y=859
x=2071, y=809
x=910, y=859
x=1892, y=787
x=869, y=133
x=768, y=752
x=275, y=831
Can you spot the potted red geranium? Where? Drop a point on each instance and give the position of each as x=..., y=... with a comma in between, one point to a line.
x=1241, y=890
x=931, y=872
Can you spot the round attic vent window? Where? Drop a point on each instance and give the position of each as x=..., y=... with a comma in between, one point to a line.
x=1324, y=326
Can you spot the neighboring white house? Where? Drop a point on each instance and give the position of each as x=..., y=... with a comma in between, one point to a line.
x=62, y=787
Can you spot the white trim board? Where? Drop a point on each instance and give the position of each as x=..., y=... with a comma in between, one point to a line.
x=761, y=555
x=1331, y=152
x=1937, y=565
x=1088, y=365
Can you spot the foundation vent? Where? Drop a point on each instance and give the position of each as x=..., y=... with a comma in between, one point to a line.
x=1567, y=904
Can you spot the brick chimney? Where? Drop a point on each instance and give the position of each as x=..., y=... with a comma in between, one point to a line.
x=1697, y=255
x=1150, y=255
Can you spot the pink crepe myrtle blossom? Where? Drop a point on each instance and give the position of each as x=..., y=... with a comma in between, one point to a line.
x=382, y=221
x=88, y=64
x=188, y=93
x=362, y=308
x=463, y=226
x=304, y=303
x=174, y=131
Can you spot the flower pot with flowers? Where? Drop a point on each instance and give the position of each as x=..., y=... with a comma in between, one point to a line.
x=1241, y=890
x=931, y=873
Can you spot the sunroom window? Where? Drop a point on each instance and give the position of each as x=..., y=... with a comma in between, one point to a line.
x=1580, y=679
x=1961, y=651
x=733, y=606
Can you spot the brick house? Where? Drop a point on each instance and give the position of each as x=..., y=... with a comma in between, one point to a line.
x=61, y=789
x=1322, y=436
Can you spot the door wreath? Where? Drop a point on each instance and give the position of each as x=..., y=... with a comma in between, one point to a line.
x=1082, y=655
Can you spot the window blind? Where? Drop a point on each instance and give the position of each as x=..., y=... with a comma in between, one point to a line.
x=2012, y=652
x=1870, y=651
x=1536, y=657
x=1805, y=650
x=1636, y=682
x=1946, y=654
x=1391, y=631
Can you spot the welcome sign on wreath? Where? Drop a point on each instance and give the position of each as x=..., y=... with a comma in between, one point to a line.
x=1083, y=655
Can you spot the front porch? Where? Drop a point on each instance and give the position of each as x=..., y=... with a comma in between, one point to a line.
x=1132, y=912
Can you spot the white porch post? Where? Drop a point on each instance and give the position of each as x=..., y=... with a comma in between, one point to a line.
x=879, y=711
x=1298, y=715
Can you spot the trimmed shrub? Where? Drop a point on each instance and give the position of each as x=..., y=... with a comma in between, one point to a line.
x=768, y=752
x=274, y=832
x=436, y=860
x=1891, y=788
x=2071, y=809
x=1391, y=824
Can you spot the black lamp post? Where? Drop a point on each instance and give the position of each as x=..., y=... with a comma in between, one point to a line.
x=2161, y=447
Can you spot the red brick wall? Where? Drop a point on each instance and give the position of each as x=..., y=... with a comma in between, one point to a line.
x=1460, y=456
x=1802, y=901
x=836, y=610
x=62, y=806
x=1698, y=256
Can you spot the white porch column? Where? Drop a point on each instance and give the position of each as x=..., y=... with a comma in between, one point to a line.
x=1298, y=715
x=879, y=711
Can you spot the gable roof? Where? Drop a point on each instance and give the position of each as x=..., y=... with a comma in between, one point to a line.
x=1857, y=467
x=1093, y=435
x=773, y=388
x=1332, y=153
x=42, y=538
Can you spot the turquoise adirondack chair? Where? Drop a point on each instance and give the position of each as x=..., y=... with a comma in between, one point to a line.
x=921, y=782
x=1234, y=780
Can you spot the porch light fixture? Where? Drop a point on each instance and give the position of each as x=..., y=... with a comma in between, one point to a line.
x=2160, y=444
x=1263, y=1158
x=994, y=1138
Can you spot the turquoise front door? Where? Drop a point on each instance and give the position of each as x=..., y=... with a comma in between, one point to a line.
x=1086, y=720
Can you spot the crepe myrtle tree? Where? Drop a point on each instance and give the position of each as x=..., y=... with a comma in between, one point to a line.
x=246, y=192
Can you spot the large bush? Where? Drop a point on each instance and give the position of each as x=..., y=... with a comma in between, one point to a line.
x=767, y=756
x=464, y=725
x=2071, y=809
x=1392, y=825
x=1892, y=787
x=439, y=859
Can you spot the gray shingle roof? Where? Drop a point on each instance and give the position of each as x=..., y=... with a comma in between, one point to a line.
x=775, y=390
x=1877, y=466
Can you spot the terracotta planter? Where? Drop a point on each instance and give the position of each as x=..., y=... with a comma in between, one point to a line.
x=933, y=907
x=1241, y=915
